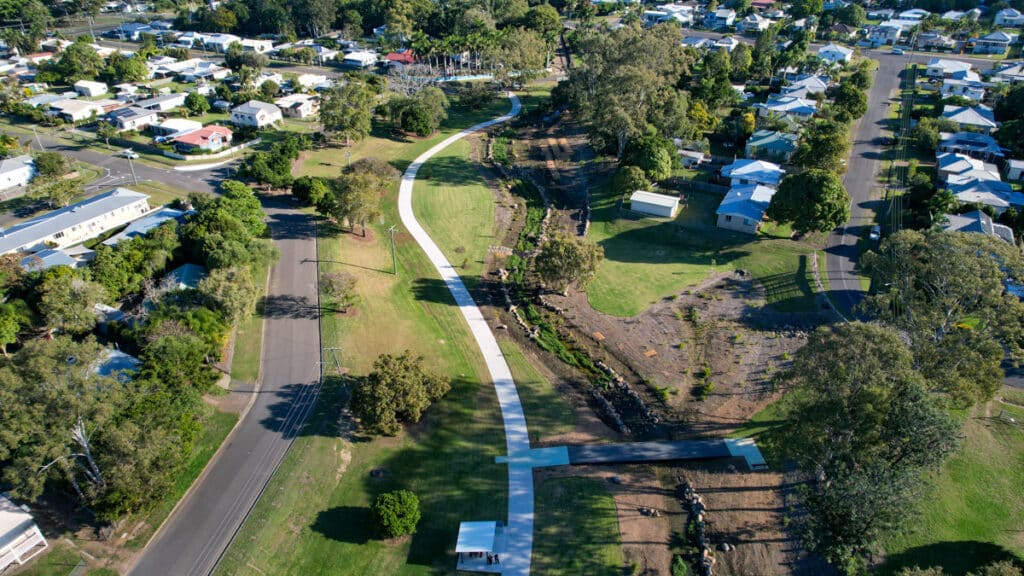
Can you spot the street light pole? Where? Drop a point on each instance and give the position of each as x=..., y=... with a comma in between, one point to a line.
x=132, y=168
x=394, y=257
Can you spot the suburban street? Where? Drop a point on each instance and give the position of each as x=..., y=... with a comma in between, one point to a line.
x=194, y=537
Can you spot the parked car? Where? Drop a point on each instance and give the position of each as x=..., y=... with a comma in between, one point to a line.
x=129, y=154
x=876, y=233
x=897, y=52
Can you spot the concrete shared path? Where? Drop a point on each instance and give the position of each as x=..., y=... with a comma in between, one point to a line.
x=195, y=535
x=516, y=560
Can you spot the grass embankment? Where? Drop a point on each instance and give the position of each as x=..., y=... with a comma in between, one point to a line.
x=576, y=529
x=314, y=515
x=969, y=515
x=649, y=258
x=547, y=412
x=456, y=208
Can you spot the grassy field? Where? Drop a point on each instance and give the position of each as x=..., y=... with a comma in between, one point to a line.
x=313, y=518
x=971, y=515
x=547, y=412
x=456, y=208
x=576, y=530
x=649, y=258
x=216, y=426
x=245, y=364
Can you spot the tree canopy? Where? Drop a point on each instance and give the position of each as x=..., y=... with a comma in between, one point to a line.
x=565, y=259
x=813, y=201
x=397, y=391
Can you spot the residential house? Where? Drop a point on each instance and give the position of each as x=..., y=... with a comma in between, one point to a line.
x=774, y=14
x=681, y=13
x=994, y=43
x=721, y=18
x=743, y=207
x=133, y=31
x=43, y=100
x=974, y=117
x=144, y=225
x=164, y=102
x=805, y=85
x=973, y=89
x=976, y=222
x=1011, y=73
x=971, y=177
x=698, y=43
x=49, y=258
x=952, y=15
x=881, y=14
x=219, y=42
x=132, y=118
x=255, y=114
x=834, y=53
x=312, y=81
x=942, y=68
x=360, y=59
x=298, y=105
x=841, y=31
x=660, y=205
x=207, y=139
x=753, y=24
x=1015, y=170
x=934, y=41
x=915, y=14
x=747, y=171
x=76, y=223
x=400, y=58
x=771, y=145
x=90, y=89
x=73, y=110
x=173, y=127
x=727, y=43
x=834, y=4
x=257, y=46
x=999, y=195
x=971, y=144
x=950, y=164
x=191, y=70
x=1009, y=18
x=786, y=107
x=692, y=158
x=20, y=538
x=16, y=171
x=884, y=34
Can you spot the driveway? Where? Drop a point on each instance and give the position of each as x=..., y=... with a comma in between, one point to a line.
x=192, y=540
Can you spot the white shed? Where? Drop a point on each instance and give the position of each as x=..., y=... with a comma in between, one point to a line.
x=17, y=171
x=1015, y=169
x=360, y=59
x=20, y=538
x=654, y=204
x=90, y=89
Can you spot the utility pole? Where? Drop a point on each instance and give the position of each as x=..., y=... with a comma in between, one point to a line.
x=38, y=141
x=394, y=256
x=132, y=168
x=334, y=354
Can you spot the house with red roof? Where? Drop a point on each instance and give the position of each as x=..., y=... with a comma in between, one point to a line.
x=207, y=139
x=405, y=57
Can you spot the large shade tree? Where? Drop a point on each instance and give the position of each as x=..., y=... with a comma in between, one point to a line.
x=813, y=201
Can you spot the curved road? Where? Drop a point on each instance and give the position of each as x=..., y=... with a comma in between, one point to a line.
x=192, y=539
x=516, y=561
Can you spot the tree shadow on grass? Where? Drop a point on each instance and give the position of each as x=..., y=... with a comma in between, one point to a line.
x=352, y=524
x=432, y=290
x=956, y=558
x=450, y=171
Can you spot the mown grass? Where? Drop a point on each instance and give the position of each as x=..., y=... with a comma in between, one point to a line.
x=456, y=208
x=547, y=412
x=245, y=361
x=576, y=529
x=647, y=259
x=60, y=560
x=314, y=515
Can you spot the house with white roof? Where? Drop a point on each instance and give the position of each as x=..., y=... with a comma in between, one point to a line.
x=746, y=171
x=16, y=171
x=999, y=195
x=971, y=88
x=753, y=24
x=20, y=538
x=743, y=207
x=90, y=89
x=977, y=117
x=834, y=53
x=163, y=102
x=679, y=12
x=1009, y=18
x=976, y=222
x=698, y=42
x=881, y=14
x=949, y=164
x=661, y=205
x=219, y=42
x=360, y=59
x=1010, y=73
x=76, y=223
x=308, y=81
x=1015, y=169
x=298, y=105
x=191, y=70
x=942, y=68
x=144, y=225
x=916, y=14
x=970, y=143
x=805, y=85
x=73, y=110
x=257, y=46
x=175, y=127
x=727, y=43
x=885, y=33
x=786, y=107
x=132, y=118
x=255, y=114
x=926, y=40
x=995, y=43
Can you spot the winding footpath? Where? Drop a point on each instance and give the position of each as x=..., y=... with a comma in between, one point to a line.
x=516, y=560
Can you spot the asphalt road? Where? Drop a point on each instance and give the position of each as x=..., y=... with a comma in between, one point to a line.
x=860, y=181
x=194, y=537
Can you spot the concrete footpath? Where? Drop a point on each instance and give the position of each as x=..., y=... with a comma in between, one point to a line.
x=520, y=471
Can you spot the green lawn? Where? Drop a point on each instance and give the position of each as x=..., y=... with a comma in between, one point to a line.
x=647, y=259
x=245, y=364
x=60, y=560
x=576, y=529
x=314, y=515
x=547, y=412
x=971, y=516
x=456, y=208
x=216, y=426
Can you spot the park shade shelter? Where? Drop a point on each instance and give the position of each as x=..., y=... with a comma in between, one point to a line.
x=478, y=541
